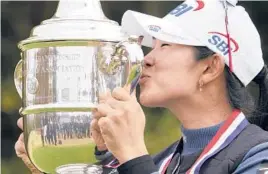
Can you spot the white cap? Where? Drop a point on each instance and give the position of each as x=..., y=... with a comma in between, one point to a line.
x=202, y=23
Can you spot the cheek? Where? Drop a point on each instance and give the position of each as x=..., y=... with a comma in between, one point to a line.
x=173, y=77
x=152, y=93
x=179, y=77
x=167, y=84
x=161, y=88
x=175, y=83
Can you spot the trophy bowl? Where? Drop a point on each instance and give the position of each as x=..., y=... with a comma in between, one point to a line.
x=65, y=64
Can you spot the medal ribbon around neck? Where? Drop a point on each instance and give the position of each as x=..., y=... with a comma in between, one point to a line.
x=165, y=163
x=232, y=127
x=113, y=164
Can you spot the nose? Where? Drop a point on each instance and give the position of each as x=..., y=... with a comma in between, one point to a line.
x=148, y=60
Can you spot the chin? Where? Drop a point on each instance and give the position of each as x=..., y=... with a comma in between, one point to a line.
x=150, y=100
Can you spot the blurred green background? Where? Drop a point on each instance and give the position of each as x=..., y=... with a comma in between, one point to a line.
x=18, y=18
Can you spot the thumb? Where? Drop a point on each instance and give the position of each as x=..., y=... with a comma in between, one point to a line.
x=132, y=93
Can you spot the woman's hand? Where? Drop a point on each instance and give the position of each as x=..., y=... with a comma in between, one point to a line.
x=96, y=134
x=122, y=124
x=21, y=151
x=94, y=126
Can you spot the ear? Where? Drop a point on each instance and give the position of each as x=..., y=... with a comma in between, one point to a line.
x=213, y=67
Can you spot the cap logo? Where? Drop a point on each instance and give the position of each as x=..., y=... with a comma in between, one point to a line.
x=220, y=41
x=183, y=8
x=201, y=5
x=154, y=28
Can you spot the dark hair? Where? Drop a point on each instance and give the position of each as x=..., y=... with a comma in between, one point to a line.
x=239, y=97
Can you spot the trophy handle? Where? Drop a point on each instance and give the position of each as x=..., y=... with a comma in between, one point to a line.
x=18, y=77
x=130, y=51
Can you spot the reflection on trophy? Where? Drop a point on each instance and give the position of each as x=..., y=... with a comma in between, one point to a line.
x=65, y=63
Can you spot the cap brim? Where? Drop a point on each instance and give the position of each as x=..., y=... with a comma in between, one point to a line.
x=135, y=23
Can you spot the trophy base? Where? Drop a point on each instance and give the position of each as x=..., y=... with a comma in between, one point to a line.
x=79, y=169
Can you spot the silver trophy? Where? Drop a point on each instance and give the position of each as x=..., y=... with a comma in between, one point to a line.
x=65, y=64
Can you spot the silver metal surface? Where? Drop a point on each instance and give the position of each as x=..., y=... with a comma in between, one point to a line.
x=65, y=64
x=79, y=20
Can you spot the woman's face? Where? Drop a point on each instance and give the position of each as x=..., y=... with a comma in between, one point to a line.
x=170, y=73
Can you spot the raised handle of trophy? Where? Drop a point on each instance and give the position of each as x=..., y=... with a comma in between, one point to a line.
x=130, y=52
x=18, y=77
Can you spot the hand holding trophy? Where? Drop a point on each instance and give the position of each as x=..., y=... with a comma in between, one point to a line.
x=66, y=63
x=21, y=151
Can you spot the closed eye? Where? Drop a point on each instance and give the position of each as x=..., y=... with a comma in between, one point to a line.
x=163, y=45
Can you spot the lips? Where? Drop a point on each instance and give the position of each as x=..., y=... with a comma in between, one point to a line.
x=144, y=75
x=143, y=78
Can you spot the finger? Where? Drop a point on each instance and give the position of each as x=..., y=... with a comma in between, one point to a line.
x=21, y=138
x=97, y=115
x=104, y=96
x=30, y=165
x=104, y=109
x=21, y=153
x=96, y=135
x=105, y=127
x=115, y=104
x=121, y=94
x=127, y=87
x=20, y=123
x=133, y=93
x=20, y=148
x=94, y=126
